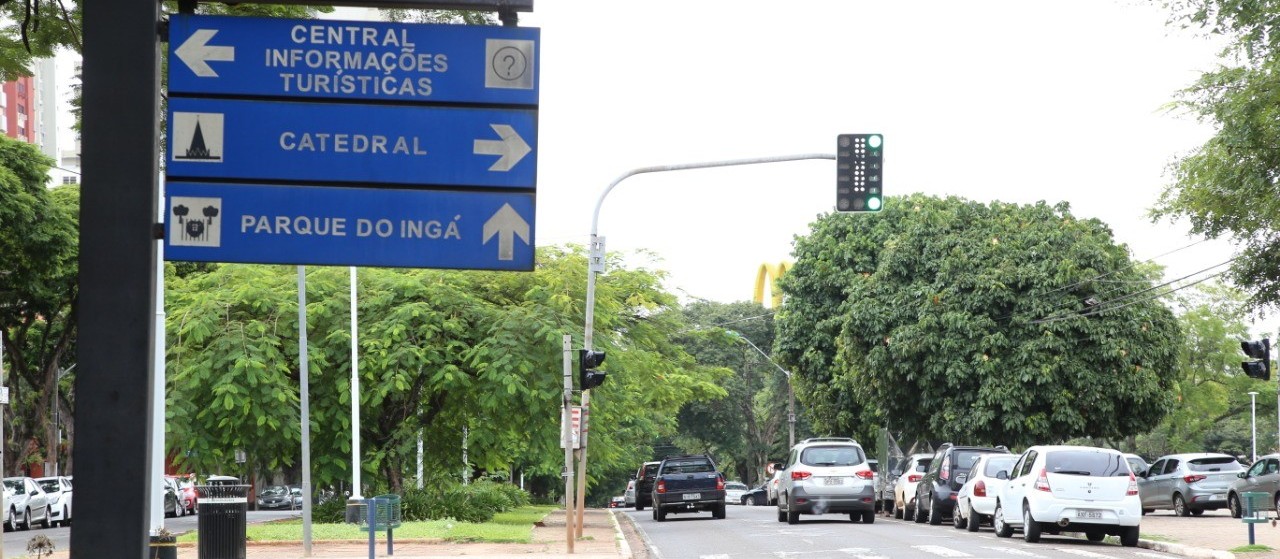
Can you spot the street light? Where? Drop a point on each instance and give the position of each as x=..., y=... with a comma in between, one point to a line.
x=1253, y=419
x=791, y=395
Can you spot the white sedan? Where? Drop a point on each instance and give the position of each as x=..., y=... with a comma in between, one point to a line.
x=733, y=492
x=977, y=499
x=27, y=504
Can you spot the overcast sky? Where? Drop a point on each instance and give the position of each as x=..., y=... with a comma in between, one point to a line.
x=1013, y=101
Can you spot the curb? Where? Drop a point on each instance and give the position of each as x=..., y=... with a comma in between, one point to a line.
x=624, y=549
x=1186, y=550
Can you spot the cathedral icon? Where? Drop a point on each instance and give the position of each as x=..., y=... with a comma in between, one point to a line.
x=197, y=137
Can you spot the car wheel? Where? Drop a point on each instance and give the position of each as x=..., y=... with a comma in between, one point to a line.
x=1180, y=506
x=1003, y=529
x=935, y=513
x=718, y=512
x=1233, y=503
x=1197, y=512
x=868, y=517
x=26, y=519
x=1095, y=535
x=782, y=515
x=897, y=512
x=13, y=520
x=920, y=517
x=974, y=520
x=66, y=516
x=45, y=523
x=1030, y=528
x=639, y=505
x=1129, y=536
x=662, y=514
x=793, y=517
x=957, y=520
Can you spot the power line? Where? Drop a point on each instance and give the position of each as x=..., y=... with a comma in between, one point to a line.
x=1132, y=264
x=1131, y=303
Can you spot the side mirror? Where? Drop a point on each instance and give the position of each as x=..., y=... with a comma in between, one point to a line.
x=633, y=477
x=1242, y=475
x=1144, y=473
x=895, y=472
x=1002, y=474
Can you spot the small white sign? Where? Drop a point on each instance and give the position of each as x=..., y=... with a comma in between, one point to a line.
x=196, y=222
x=510, y=64
x=575, y=425
x=197, y=137
x=4, y=394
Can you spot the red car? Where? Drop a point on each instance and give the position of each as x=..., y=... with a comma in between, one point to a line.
x=187, y=496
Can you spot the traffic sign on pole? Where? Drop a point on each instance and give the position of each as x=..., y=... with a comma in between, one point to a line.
x=349, y=226
x=395, y=144
x=353, y=60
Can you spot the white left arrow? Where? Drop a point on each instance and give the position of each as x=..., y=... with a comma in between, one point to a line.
x=511, y=147
x=195, y=52
x=506, y=224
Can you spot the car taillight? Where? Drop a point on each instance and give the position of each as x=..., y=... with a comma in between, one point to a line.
x=1133, y=486
x=719, y=483
x=945, y=473
x=865, y=474
x=914, y=478
x=1042, y=482
x=980, y=489
x=661, y=486
x=797, y=475
x=1193, y=478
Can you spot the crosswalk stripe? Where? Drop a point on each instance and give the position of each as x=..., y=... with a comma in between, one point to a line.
x=941, y=551
x=1083, y=553
x=720, y=556
x=860, y=553
x=1156, y=555
x=1015, y=551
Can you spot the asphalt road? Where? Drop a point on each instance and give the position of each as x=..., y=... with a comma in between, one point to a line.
x=15, y=543
x=754, y=532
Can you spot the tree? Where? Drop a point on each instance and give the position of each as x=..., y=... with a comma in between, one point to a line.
x=950, y=319
x=1226, y=187
x=38, y=238
x=439, y=350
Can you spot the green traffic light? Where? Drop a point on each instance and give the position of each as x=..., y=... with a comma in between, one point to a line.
x=873, y=204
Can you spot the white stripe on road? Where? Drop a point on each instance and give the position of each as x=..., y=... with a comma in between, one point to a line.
x=1083, y=553
x=941, y=551
x=720, y=556
x=1156, y=555
x=861, y=553
x=1015, y=551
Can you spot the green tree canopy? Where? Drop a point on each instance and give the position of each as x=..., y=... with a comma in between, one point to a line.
x=948, y=319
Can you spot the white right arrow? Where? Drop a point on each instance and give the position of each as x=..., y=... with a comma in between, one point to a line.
x=511, y=147
x=196, y=53
x=506, y=224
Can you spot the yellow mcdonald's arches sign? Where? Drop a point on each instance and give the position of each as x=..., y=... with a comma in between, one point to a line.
x=768, y=277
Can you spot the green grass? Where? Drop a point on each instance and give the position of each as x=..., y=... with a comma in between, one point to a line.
x=1158, y=538
x=515, y=526
x=1251, y=548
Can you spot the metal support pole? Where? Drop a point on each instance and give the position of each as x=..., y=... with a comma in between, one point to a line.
x=566, y=434
x=355, y=393
x=1253, y=420
x=305, y=404
x=582, y=464
x=791, y=394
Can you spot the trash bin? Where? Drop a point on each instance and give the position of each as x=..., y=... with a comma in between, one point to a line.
x=223, y=506
x=1253, y=505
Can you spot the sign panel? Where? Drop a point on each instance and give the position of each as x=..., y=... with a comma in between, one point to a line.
x=349, y=226
x=363, y=60
x=391, y=144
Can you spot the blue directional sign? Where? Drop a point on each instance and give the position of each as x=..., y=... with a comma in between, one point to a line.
x=349, y=226
x=352, y=143
x=353, y=60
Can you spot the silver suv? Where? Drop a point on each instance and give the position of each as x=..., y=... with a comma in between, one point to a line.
x=827, y=475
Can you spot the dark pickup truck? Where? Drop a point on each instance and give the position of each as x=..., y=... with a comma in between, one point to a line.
x=688, y=484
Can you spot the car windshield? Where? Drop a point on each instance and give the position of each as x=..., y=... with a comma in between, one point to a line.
x=1086, y=463
x=923, y=465
x=735, y=485
x=49, y=486
x=650, y=470
x=687, y=467
x=274, y=490
x=831, y=456
x=996, y=464
x=963, y=460
x=1214, y=464
x=16, y=485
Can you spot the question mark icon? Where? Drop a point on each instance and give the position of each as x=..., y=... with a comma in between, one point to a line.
x=511, y=62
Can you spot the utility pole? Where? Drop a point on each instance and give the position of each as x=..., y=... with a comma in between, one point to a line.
x=566, y=437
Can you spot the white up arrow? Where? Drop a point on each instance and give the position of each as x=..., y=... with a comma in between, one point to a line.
x=196, y=53
x=506, y=224
x=511, y=147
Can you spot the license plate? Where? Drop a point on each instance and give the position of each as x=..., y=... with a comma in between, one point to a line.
x=692, y=496
x=1089, y=514
x=833, y=481
x=1219, y=497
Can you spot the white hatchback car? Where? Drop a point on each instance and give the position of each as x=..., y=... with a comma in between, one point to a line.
x=904, y=488
x=976, y=501
x=1055, y=489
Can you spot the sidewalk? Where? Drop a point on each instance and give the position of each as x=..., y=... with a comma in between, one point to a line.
x=1215, y=531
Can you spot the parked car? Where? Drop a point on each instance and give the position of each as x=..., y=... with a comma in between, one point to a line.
x=774, y=483
x=27, y=504
x=825, y=475
x=733, y=492
x=280, y=497
x=1262, y=476
x=904, y=486
x=976, y=501
x=758, y=496
x=186, y=492
x=629, y=496
x=617, y=502
x=1137, y=464
x=1055, y=489
x=644, y=484
x=690, y=483
x=58, y=490
x=937, y=491
x=1188, y=483
x=172, y=502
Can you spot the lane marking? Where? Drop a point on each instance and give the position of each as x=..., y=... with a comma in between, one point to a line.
x=941, y=551
x=1014, y=551
x=1083, y=553
x=720, y=556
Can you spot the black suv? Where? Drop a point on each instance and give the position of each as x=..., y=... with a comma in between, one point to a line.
x=936, y=493
x=644, y=484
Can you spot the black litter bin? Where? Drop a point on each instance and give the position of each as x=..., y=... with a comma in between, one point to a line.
x=223, y=507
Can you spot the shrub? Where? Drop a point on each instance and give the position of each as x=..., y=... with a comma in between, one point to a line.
x=333, y=511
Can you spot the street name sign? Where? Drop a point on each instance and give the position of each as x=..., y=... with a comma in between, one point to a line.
x=355, y=60
x=352, y=143
x=251, y=223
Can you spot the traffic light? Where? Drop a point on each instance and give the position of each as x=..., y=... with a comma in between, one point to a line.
x=588, y=377
x=859, y=172
x=1258, y=350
